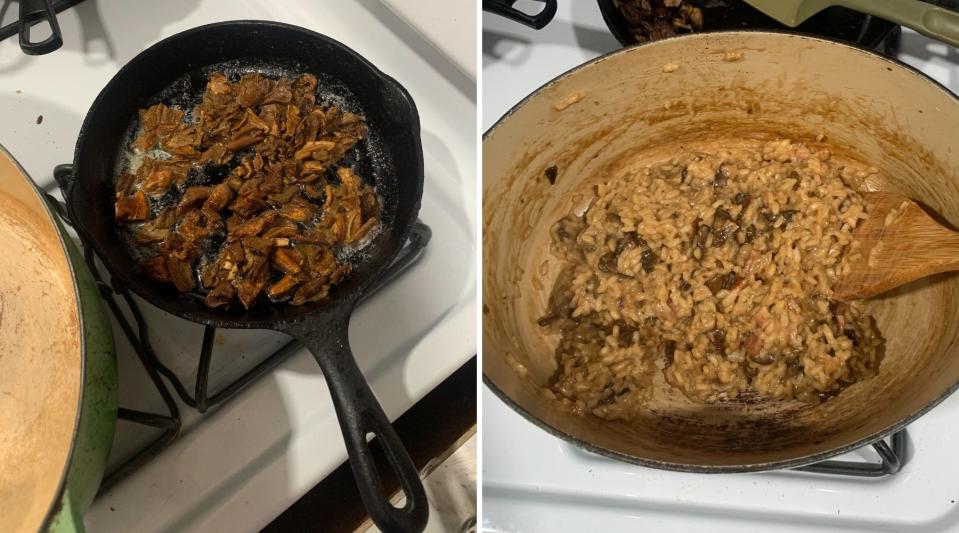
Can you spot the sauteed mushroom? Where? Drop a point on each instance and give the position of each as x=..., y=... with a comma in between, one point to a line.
x=271, y=222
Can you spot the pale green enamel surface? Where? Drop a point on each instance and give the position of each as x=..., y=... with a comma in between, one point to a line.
x=98, y=410
x=69, y=519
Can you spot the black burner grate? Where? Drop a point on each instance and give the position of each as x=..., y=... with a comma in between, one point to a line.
x=138, y=334
x=892, y=459
x=13, y=28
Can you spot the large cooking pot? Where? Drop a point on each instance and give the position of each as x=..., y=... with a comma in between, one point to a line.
x=58, y=394
x=867, y=106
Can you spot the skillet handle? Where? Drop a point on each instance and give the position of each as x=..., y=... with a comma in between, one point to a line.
x=360, y=415
x=33, y=12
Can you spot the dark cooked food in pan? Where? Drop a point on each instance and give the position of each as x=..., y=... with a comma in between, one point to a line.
x=651, y=20
x=248, y=193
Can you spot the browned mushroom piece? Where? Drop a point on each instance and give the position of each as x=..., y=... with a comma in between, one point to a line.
x=280, y=93
x=124, y=185
x=234, y=253
x=149, y=234
x=250, y=287
x=315, y=149
x=218, y=84
x=314, y=191
x=158, y=181
x=285, y=195
x=198, y=225
x=368, y=226
x=156, y=123
x=288, y=260
x=324, y=263
x=215, y=154
x=247, y=291
x=156, y=268
x=220, y=197
x=243, y=141
x=133, y=208
x=251, y=89
x=221, y=295
x=180, y=274
x=255, y=226
x=271, y=183
x=283, y=287
x=182, y=141
x=192, y=197
x=311, y=291
x=259, y=247
x=297, y=210
x=303, y=97
x=165, y=218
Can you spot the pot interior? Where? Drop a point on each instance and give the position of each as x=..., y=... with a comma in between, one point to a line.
x=729, y=88
x=40, y=355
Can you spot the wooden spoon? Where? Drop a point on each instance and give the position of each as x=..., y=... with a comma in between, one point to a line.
x=898, y=243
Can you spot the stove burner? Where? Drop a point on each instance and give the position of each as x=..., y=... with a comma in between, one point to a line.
x=202, y=399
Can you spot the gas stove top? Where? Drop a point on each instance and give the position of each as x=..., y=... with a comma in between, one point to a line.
x=247, y=458
x=533, y=481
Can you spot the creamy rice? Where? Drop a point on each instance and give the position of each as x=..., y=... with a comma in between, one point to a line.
x=717, y=270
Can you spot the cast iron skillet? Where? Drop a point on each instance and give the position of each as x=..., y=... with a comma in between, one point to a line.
x=174, y=71
x=835, y=22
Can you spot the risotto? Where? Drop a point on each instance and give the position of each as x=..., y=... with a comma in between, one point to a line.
x=716, y=270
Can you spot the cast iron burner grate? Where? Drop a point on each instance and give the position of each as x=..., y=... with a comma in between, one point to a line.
x=201, y=399
x=892, y=457
x=13, y=28
x=891, y=460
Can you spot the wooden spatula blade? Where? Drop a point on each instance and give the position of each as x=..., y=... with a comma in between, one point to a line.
x=898, y=243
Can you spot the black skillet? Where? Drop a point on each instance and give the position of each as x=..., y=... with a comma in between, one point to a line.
x=835, y=22
x=174, y=71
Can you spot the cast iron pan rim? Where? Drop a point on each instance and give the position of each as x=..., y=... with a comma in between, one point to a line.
x=706, y=469
x=56, y=504
x=338, y=299
x=608, y=10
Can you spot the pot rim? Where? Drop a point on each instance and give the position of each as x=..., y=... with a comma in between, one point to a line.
x=699, y=468
x=56, y=504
